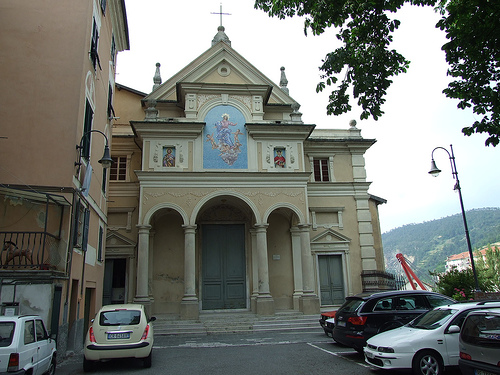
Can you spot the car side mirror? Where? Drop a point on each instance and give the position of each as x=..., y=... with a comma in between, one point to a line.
x=454, y=329
x=152, y=319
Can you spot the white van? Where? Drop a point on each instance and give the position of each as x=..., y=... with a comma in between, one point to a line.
x=25, y=346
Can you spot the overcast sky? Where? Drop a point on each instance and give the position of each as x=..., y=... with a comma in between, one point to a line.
x=418, y=117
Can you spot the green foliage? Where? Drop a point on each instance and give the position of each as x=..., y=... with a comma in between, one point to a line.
x=457, y=284
x=365, y=27
x=429, y=243
x=489, y=268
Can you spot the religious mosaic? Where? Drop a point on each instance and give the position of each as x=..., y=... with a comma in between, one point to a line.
x=225, y=137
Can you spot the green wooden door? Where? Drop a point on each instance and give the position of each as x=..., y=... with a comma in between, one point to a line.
x=331, y=279
x=223, y=267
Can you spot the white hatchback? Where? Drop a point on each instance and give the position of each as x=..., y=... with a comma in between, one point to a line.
x=119, y=331
x=25, y=346
x=427, y=344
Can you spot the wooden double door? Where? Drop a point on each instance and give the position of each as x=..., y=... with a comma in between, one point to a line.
x=223, y=267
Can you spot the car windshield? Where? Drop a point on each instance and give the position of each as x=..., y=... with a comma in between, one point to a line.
x=119, y=317
x=6, y=333
x=351, y=305
x=432, y=319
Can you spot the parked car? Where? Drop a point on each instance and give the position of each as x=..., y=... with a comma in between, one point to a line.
x=427, y=344
x=327, y=321
x=480, y=343
x=364, y=315
x=119, y=331
x=25, y=346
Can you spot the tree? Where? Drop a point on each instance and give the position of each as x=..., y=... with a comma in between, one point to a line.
x=366, y=30
x=458, y=284
x=489, y=267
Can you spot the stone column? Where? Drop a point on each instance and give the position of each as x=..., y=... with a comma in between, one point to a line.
x=189, y=303
x=141, y=293
x=297, y=267
x=150, y=265
x=309, y=303
x=265, y=302
x=255, y=271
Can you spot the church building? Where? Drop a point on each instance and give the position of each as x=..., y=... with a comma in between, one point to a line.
x=222, y=198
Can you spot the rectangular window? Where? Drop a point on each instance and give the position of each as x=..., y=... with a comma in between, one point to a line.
x=99, y=246
x=29, y=332
x=118, y=170
x=321, y=170
x=87, y=127
x=113, y=50
x=104, y=179
x=82, y=215
x=111, y=111
x=94, y=56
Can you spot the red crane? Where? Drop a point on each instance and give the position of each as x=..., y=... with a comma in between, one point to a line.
x=409, y=272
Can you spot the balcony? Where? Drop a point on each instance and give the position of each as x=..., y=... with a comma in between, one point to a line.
x=376, y=281
x=30, y=251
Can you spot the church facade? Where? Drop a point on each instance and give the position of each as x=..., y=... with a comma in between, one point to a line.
x=221, y=198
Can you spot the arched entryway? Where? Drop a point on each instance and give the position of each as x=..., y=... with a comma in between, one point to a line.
x=225, y=256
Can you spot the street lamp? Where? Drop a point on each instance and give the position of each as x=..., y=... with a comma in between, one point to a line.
x=106, y=160
x=435, y=172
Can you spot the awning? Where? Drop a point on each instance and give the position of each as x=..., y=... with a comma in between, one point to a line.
x=34, y=195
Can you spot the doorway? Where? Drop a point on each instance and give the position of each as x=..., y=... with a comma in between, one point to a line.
x=331, y=279
x=223, y=266
x=115, y=271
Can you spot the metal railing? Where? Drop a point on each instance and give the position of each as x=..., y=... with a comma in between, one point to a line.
x=29, y=250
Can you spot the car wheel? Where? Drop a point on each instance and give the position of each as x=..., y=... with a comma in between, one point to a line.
x=88, y=365
x=427, y=363
x=147, y=361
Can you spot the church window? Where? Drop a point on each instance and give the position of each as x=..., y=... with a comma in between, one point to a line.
x=118, y=170
x=321, y=170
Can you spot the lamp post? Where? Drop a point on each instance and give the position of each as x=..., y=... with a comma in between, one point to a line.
x=435, y=172
x=106, y=160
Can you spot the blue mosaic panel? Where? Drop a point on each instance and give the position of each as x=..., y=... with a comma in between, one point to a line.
x=225, y=139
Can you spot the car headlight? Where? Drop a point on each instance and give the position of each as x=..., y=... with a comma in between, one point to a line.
x=385, y=349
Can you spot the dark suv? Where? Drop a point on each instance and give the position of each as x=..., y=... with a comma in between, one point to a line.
x=364, y=315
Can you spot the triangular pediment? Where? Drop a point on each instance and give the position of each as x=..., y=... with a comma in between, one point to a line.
x=220, y=69
x=330, y=237
x=114, y=240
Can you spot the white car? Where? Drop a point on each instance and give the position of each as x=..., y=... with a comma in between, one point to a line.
x=119, y=331
x=25, y=346
x=427, y=344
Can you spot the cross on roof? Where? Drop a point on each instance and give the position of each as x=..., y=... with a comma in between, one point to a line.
x=220, y=13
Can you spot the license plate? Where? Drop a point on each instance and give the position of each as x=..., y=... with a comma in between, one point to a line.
x=119, y=335
x=481, y=372
x=369, y=354
x=341, y=324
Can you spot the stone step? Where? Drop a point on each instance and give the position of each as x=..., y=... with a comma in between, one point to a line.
x=234, y=323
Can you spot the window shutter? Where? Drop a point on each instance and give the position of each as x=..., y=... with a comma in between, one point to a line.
x=85, y=235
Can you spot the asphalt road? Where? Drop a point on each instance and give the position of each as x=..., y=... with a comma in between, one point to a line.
x=306, y=352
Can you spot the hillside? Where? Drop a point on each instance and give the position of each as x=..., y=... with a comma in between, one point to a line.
x=428, y=244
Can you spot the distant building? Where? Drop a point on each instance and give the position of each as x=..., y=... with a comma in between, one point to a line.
x=462, y=261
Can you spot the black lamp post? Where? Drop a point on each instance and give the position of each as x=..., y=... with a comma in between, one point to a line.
x=106, y=160
x=435, y=172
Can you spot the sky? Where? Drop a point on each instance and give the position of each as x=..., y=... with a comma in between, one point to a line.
x=418, y=117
